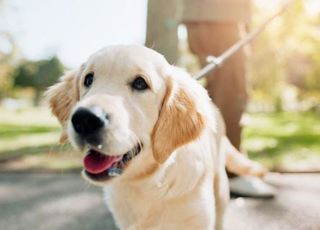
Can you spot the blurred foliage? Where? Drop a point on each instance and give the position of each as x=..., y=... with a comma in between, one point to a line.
x=6, y=64
x=38, y=74
x=287, y=52
x=5, y=81
x=283, y=141
x=6, y=59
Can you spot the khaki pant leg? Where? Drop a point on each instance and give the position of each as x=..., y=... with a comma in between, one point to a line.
x=227, y=84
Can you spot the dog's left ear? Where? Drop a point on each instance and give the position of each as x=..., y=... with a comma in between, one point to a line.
x=62, y=97
x=179, y=122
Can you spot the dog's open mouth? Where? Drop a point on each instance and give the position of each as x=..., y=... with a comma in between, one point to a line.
x=101, y=167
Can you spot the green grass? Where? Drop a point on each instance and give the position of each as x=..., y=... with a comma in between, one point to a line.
x=30, y=128
x=278, y=140
x=29, y=140
x=284, y=140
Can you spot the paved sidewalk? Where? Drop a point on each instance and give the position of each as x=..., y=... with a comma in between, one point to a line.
x=65, y=201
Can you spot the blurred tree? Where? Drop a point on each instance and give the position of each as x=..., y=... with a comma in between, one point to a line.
x=302, y=46
x=38, y=75
x=5, y=79
x=6, y=58
x=287, y=52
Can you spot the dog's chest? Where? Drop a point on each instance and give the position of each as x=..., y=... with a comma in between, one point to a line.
x=132, y=208
x=125, y=205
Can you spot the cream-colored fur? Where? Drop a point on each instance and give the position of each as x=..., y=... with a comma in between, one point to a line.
x=178, y=181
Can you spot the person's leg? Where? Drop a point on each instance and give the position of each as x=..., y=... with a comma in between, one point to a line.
x=227, y=88
x=227, y=84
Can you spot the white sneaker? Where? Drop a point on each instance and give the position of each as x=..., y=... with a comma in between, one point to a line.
x=248, y=186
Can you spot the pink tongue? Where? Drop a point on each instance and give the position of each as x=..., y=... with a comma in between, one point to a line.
x=96, y=162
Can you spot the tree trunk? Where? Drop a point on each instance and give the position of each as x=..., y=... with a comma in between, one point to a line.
x=37, y=97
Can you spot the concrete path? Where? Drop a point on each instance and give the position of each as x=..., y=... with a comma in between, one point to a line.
x=64, y=201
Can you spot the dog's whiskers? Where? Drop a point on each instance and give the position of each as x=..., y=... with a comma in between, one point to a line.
x=135, y=141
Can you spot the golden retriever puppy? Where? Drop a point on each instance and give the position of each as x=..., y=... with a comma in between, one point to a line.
x=153, y=138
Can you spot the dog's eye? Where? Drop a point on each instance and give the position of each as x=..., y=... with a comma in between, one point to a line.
x=139, y=83
x=88, y=79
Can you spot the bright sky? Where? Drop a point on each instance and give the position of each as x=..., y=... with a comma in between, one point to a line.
x=72, y=29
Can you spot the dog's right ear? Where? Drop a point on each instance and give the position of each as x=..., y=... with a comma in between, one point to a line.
x=62, y=97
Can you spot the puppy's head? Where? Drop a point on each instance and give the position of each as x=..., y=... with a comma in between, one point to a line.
x=126, y=104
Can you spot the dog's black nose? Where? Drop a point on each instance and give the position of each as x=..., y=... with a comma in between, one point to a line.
x=85, y=122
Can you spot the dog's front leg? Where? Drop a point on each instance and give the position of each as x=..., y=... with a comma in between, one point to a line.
x=221, y=193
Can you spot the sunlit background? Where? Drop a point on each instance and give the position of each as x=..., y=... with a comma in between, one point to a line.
x=39, y=39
